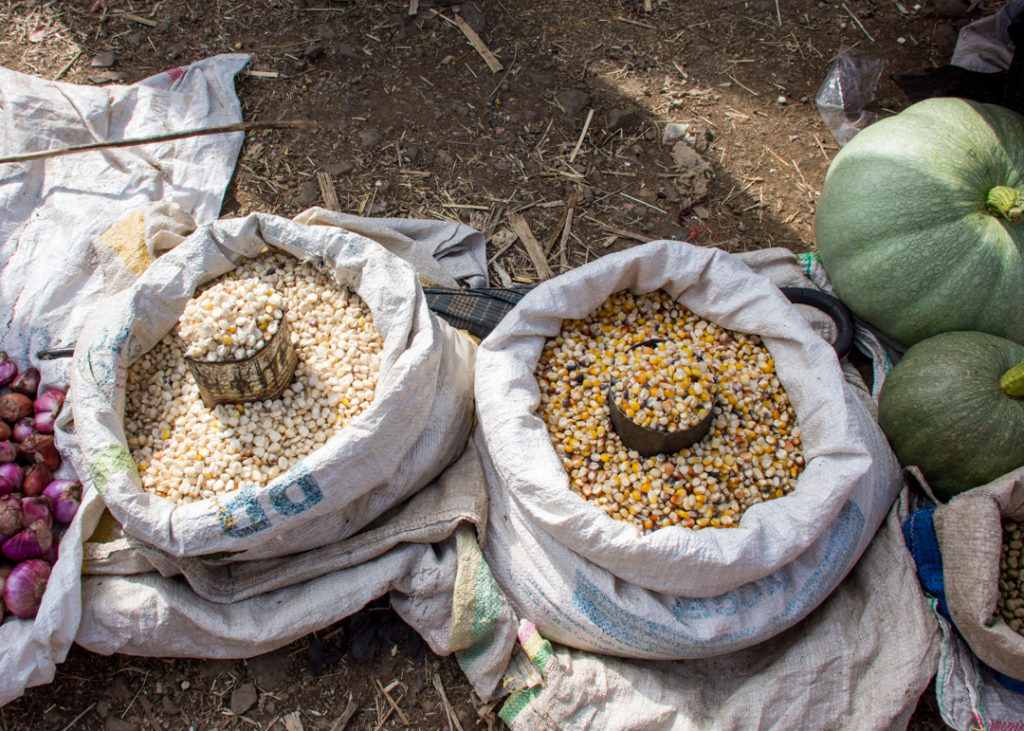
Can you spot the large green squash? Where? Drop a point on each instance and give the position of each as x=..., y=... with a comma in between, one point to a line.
x=954, y=407
x=919, y=221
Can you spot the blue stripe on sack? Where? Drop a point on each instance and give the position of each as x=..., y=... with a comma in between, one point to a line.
x=640, y=634
x=243, y=514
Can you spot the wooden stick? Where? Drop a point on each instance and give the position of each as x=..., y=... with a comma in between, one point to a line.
x=477, y=42
x=448, y=710
x=342, y=721
x=222, y=129
x=620, y=232
x=327, y=191
x=533, y=247
x=583, y=133
x=391, y=702
x=563, y=259
x=68, y=65
x=139, y=19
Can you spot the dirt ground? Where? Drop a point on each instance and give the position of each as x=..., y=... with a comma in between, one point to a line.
x=557, y=117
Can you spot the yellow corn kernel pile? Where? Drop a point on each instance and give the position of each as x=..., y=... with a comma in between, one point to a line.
x=752, y=451
x=663, y=387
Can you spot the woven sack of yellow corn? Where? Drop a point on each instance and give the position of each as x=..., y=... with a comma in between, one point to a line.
x=709, y=550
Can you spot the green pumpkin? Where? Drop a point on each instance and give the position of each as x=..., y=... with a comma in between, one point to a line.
x=919, y=221
x=954, y=408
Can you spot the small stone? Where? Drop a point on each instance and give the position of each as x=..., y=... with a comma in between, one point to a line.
x=103, y=60
x=674, y=131
x=269, y=670
x=474, y=18
x=616, y=119
x=369, y=137
x=687, y=159
x=243, y=698
x=412, y=154
x=175, y=51
x=573, y=101
x=325, y=32
x=103, y=708
x=339, y=168
x=309, y=194
x=108, y=77
x=162, y=27
x=945, y=37
x=313, y=51
x=113, y=723
x=169, y=707
x=952, y=9
x=782, y=100
x=121, y=690
x=348, y=51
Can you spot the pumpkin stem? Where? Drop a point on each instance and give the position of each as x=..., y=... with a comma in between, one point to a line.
x=1012, y=382
x=1007, y=202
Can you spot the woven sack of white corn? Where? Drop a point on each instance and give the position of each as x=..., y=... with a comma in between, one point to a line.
x=195, y=480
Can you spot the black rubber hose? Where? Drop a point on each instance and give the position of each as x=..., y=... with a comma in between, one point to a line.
x=832, y=307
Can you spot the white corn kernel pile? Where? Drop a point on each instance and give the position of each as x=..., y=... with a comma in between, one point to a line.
x=231, y=320
x=663, y=387
x=187, y=452
x=751, y=453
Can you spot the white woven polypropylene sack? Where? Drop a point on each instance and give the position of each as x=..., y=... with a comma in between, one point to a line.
x=597, y=584
x=416, y=425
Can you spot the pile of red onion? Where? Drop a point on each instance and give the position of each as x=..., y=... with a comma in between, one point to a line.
x=35, y=507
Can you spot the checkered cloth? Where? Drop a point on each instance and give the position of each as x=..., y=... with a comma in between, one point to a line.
x=477, y=311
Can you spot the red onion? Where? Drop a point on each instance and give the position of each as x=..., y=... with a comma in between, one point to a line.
x=36, y=510
x=5, y=571
x=5, y=431
x=30, y=543
x=46, y=407
x=40, y=448
x=8, y=369
x=23, y=590
x=53, y=554
x=8, y=451
x=14, y=406
x=23, y=429
x=10, y=478
x=27, y=382
x=10, y=516
x=65, y=496
x=37, y=477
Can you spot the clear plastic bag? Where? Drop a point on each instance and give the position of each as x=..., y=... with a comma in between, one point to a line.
x=846, y=91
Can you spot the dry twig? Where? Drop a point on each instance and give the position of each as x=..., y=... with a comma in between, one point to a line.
x=453, y=719
x=583, y=133
x=533, y=247
x=342, y=721
x=476, y=41
x=222, y=129
x=327, y=191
